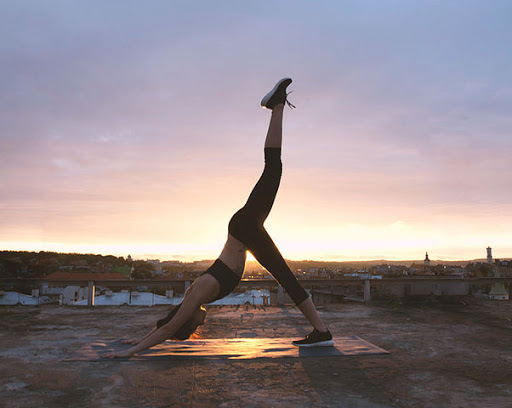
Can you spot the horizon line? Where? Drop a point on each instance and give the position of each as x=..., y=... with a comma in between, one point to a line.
x=255, y=261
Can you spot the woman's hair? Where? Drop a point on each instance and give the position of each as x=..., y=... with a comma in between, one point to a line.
x=185, y=331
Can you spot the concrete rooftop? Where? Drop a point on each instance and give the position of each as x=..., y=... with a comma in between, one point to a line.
x=442, y=355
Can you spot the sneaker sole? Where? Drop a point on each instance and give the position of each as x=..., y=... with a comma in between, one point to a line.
x=267, y=97
x=326, y=343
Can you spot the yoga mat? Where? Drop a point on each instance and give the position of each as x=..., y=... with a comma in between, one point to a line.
x=242, y=348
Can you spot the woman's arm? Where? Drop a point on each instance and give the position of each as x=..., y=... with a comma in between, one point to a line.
x=201, y=291
x=135, y=341
x=161, y=334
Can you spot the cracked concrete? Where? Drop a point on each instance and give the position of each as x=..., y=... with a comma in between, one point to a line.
x=442, y=355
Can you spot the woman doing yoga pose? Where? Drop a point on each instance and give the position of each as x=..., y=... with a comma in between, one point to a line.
x=246, y=233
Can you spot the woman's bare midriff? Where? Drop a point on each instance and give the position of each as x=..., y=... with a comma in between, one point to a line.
x=234, y=255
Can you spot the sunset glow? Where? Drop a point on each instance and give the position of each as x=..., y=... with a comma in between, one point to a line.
x=137, y=130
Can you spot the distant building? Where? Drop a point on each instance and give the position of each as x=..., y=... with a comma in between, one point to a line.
x=205, y=264
x=68, y=284
x=426, y=262
x=362, y=275
x=391, y=270
x=489, y=255
x=420, y=269
x=498, y=292
x=62, y=276
x=156, y=264
x=171, y=263
x=503, y=269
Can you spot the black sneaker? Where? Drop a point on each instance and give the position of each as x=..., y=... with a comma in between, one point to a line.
x=315, y=338
x=277, y=95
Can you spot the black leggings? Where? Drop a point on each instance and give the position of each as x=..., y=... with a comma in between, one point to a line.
x=247, y=226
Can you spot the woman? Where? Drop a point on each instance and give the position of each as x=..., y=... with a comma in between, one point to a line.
x=246, y=233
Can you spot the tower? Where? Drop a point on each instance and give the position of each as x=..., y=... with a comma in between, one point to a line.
x=426, y=261
x=489, y=255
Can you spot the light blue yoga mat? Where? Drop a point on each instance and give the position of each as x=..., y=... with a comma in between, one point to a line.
x=243, y=348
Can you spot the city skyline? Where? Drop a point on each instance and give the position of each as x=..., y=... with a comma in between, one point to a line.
x=136, y=129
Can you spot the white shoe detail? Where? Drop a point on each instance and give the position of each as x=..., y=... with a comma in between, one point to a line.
x=325, y=343
x=267, y=97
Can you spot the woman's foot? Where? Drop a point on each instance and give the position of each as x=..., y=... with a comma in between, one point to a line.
x=314, y=339
x=277, y=95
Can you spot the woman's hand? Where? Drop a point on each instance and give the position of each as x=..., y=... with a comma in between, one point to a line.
x=118, y=354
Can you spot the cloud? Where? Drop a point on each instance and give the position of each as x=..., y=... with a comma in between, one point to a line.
x=121, y=121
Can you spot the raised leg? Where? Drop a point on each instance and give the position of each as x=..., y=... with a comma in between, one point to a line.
x=275, y=128
x=247, y=224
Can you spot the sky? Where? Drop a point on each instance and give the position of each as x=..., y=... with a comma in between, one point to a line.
x=131, y=127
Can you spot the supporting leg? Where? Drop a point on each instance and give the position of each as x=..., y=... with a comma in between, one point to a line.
x=309, y=311
x=266, y=253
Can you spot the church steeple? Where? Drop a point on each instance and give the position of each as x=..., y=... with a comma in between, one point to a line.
x=489, y=255
x=426, y=261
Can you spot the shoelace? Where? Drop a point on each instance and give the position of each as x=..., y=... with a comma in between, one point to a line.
x=290, y=105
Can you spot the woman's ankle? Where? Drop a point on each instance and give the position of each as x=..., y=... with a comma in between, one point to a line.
x=278, y=108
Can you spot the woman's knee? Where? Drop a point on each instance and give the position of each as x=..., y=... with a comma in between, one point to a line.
x=273, y=172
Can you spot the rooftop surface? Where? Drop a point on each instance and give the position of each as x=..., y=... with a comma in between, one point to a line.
x=442, y=355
